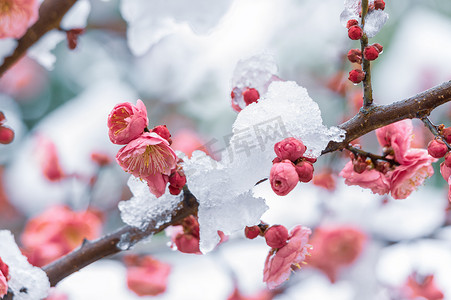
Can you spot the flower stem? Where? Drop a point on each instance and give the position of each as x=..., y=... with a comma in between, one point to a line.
x=366, y=65
x=434, y=129
x=374, y=158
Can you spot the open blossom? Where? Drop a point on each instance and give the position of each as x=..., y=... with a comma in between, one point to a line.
x=126, y=122
x=409, y=175
x=146, y=156
x=283, y=177
x=58, y=231
x=397, y=136
x=369, y=179
x=4, y=277
x=279, y=261
x=147, y=276
x=334, y=248
x=16, y=16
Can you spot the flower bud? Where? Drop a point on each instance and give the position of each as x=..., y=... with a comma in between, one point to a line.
x=359, y=165
x=289, y=148
x=6, y=135
x=276, y=160
x=276, y=236
x=352, y=22
x=101, y=159
x=311, y=160
x=437, y=148
x=379, y=4
x=283, y=177
x=446, y=132
x=356, y=76
x=250, y=95
x=162, y=131
x=252, y=232
x=370, y=53
x=355, y=56
x=304, y=170
x=448, y=159
x=382, y=166
x=174, y=190
x=177, y=179
x=355, y=32
x=2, y=117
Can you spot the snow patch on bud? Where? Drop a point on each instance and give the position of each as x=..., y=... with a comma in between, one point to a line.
x=374, y=22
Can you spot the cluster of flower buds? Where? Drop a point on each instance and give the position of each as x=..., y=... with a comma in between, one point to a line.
x=4, y=278
x=147, y=153
x=6, y=133
x=290, y=166
x=437, y=148
x=371, y=52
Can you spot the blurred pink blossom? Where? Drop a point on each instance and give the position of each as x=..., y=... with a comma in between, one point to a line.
x=422, y=288
x=16, y=16
x=187, y=141
x=48, y=158
x=127, y=122
x=58, y=231
x=262, y=295
x=334, y=248
x=146, y=276
x=398, y=136
x=279, y=262
x=4, y=277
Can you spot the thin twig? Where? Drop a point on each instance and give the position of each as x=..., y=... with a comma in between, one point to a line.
x=374, y=157
x=434, y=129
x=51, y=13
x=366, y=65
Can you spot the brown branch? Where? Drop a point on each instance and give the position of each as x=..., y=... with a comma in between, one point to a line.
x=374, y=157
x=366, y=65
x=92, y=251
x=417, y=106
x=50, y=14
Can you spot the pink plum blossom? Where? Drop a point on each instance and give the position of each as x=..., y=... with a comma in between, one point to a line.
x=149, y=157
x=369, y=179
x=16, y=16
x=187, y=141
x=147, y=276
x=283, y=177
x=289, y=148
x=279, y=262
x=58, y=231
x=127, y=122
x=262, y=295
x=334, y=248
x=397, y=136
x=405, y=178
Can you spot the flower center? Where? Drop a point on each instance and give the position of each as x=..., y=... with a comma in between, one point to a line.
x=152, y=161
x=5, y=6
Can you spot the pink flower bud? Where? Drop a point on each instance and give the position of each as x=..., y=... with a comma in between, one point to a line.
x=174, y=190
x=355, y=56
x=177, y=179
x=6, y=135
x=370, y=53
x=437, y=149
x=448, y=159
x=276, y=236
x=352, y=22
x=356, y=76
x=359, y=165
x=252, y=232
x=162, y=131
x=250, y=95
x=446, y=132
x=311, y=160
x=276, y=160
x=304, y=170
x=355, y=32
x=379, y=4
x=283, y=177
x=289, y=148
x=72, y=37
x=126, y=122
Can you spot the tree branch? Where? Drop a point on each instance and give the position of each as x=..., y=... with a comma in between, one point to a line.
x=91, y=251
x=417, y=106
x=366, y=65
x=50, y=14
